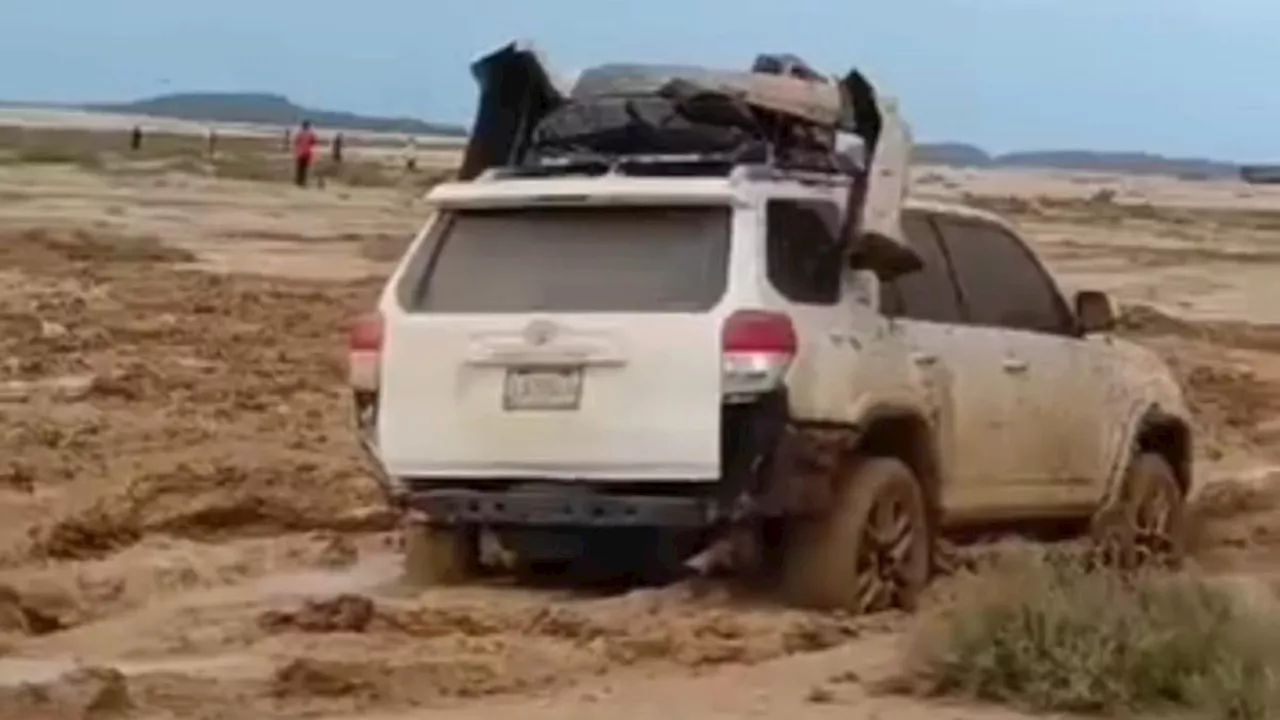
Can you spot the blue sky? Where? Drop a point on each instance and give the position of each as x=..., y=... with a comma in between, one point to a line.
x=1184, y=77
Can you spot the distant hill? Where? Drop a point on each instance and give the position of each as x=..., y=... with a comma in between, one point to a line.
x=953, y=154
x=266, y=109
x=961, y=155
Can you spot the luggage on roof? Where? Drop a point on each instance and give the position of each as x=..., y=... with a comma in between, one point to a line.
x=676, y=118
x=809, y=99
x=778, y=109
x=781, y=113
x=630, y=110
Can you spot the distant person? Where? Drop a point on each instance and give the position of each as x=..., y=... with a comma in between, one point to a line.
x=411, y=154
x=135, y=138
x=288, y=136
x=304, y=147
x=337, y=149
x=212, y=142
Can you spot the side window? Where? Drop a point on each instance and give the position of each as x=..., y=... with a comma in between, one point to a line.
x=800, y=244
x=928, y=293
x=1002, y=284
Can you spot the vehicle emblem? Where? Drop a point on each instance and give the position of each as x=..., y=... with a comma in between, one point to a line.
x=539, y=332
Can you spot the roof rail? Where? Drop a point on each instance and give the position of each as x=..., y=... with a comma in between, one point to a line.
x=771, y=173
x=763, y=161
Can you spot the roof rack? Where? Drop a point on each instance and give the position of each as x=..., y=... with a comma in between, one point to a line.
x=762, y=157
x=648, y=165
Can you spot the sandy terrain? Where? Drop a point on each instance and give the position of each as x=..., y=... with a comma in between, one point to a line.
x=186, y=529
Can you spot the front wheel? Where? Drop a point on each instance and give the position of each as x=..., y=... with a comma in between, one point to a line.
x=870, y=552
x=1146, y=525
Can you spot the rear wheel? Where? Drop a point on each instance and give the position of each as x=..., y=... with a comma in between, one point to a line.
x=870, y=553
x=1146, y=526
x=439, y=555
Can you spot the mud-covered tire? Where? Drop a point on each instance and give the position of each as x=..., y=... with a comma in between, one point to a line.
x=439, y=555
x=870, y=553
x=1146, y=525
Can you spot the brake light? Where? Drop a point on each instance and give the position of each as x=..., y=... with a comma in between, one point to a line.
x=364, y=351
x=758, y=348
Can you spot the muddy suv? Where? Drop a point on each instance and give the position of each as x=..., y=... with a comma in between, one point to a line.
x=751, y=362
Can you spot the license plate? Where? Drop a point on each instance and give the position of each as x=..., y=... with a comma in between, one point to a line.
x=542, y=389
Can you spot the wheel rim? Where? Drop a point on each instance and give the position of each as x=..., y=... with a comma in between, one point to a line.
x=1142, y=532
x=1153, y=518
x=885, y=554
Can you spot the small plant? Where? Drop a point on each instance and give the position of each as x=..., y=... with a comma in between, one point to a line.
x=1104, y=196
x=1051, y=636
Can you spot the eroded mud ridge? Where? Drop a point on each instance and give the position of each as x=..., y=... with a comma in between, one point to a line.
x=352, y=651
x=141, y=398
x=1230, y=372
x=187, y=528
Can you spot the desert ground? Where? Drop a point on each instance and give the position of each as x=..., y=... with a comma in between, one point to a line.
x=187, y=529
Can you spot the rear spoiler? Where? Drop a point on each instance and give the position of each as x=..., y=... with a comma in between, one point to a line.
x=516, y=90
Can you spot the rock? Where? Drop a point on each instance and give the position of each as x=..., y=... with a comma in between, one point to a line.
x=67, y=387
x=343, y=613
x=86, y=693
x=72, y=387
x=303, y=677
x=16, y=391
x=19, y=477
x=820, y=695
x=52, y=330
x=96, y=692
x=36, y=611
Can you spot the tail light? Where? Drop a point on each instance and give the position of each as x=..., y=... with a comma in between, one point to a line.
x=364, y=352
x=758, y=348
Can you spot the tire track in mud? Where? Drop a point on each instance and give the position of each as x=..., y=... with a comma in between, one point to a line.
x=144, y=399
x=155, y=421
x=304, y=643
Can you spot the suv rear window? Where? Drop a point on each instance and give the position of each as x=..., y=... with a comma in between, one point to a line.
x=575, y=259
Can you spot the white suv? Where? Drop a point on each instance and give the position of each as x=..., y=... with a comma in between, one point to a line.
x=634, y=370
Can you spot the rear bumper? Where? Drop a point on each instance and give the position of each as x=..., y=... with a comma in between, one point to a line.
x=557, y=505
x=568, y=507
x=674, y=497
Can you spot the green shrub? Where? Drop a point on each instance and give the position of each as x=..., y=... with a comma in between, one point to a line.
x=1050, y=636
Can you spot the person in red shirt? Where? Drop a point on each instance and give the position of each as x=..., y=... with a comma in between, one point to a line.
x=304, y=145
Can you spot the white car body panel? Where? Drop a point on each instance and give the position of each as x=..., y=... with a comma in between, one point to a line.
x=444, y=416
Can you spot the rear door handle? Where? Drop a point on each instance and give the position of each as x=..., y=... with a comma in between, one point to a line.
x=1014, y=365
